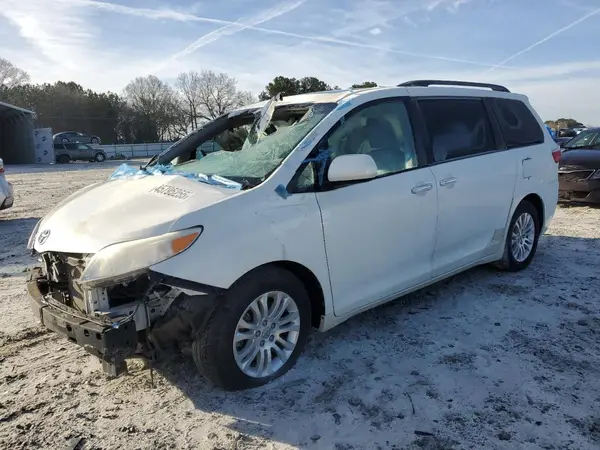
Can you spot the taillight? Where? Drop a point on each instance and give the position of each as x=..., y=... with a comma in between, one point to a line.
x=1, y=169
x=556, y=153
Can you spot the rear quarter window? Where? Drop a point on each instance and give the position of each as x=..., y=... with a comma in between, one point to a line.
x=519, y=126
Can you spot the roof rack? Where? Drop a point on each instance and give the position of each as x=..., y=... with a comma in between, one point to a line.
x=427, y=83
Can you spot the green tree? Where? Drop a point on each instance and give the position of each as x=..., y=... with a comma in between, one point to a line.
x=292, y=86
x=564, y=123
x=365, y=84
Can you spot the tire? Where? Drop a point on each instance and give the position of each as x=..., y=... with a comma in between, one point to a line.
x=95, y=140
x=213, y=348
x=63, y=159
x=99, y=157
x=512, y=261
x=64, y=141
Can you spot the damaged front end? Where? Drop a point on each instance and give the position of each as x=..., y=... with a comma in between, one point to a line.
x=142, y=316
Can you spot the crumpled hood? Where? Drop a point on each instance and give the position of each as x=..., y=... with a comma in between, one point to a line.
x=122, y=210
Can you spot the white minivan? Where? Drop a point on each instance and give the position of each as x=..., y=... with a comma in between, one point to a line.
x=314, y=208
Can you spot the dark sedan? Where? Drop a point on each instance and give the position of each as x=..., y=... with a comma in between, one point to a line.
x=66, y=137
x=579, y=169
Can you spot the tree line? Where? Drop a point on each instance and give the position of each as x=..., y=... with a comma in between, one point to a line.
x=149, y=109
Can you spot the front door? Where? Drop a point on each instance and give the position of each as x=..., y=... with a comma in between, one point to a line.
x=475, y=182
x=379, y=234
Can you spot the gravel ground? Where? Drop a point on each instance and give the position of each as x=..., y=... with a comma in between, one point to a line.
x=484, y=360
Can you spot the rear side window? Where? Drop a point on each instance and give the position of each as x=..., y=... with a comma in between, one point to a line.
x=518, y=125
x=457, y=127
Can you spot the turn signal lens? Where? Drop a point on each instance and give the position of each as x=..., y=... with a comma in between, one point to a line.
x=181, y=243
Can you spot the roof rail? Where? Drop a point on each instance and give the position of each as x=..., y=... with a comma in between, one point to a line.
x=427, y=83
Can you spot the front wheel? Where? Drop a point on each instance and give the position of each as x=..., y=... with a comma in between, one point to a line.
x=256, y=332
x=522, y=238
x=99, y=157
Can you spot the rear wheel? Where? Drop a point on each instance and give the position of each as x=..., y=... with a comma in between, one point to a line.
x=522, y=238
x=256, y=332
x=95, y=141
x=63, y=159
x=99, y=157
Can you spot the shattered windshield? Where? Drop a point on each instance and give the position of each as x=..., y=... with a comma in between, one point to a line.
x=248, y=147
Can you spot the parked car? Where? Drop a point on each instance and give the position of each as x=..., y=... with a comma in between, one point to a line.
x=65, y=153
x=6, y=190
x=336, y=202
x=66, y=137
x=579, y=169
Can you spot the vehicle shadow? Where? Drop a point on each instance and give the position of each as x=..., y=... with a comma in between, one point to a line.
x=573, y=204
x=359, y=372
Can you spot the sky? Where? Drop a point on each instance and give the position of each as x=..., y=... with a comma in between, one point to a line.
x=548, y=50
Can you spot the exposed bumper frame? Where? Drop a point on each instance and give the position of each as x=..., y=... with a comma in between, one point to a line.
x=112, y=345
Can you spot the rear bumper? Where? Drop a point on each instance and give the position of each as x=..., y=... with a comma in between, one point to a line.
x=7, y=203
x=586, y=191
x=110, y=344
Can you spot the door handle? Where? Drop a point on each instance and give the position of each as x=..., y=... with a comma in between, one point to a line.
x=422, y=188
x=448, y=181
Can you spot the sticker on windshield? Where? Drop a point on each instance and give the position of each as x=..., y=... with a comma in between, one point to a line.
x=164, y=190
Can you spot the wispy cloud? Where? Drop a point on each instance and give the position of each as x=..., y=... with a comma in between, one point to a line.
x=56, y=32
x=236, y=27
x=239, y=26
x=105, y=44
x=156, y=14
x=546, y=39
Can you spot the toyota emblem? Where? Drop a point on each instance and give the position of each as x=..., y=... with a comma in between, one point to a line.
x=44, y=235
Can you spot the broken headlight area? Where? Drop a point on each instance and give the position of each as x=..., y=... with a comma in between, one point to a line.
x=144, y=315
x=137, y=298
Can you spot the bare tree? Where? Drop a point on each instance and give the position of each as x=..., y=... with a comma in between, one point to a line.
x=187, y=84
x=10, y=75
x=156, y=103
x=208, y=94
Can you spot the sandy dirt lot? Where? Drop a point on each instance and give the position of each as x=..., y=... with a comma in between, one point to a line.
x=485, y=360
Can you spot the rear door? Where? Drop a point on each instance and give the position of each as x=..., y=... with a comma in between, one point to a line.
x=531, y=147
x=475, y=181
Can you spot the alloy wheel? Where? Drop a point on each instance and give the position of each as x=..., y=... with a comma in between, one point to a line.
x=266, y=334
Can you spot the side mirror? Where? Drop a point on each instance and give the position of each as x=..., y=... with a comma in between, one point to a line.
x=352, y=168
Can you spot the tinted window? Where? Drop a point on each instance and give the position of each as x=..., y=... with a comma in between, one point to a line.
x=457, y=127
x=518, y=125
x=381, y=130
